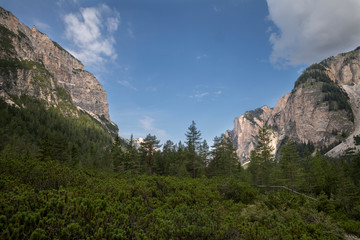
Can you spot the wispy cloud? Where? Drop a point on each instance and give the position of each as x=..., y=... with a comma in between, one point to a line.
x=216, y=9
x=127, y=84
x=130, y=30
x=147, y=124
x=200, y=96
x=309, y=31
x=41, y=25
x=151, y=89
x=91, y=32
x=201, y=56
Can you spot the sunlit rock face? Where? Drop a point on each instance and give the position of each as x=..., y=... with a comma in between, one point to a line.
x=323, y=108
x=43, y=66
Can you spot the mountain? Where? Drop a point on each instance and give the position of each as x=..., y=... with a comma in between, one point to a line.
x=323, y=110
x=32, y=64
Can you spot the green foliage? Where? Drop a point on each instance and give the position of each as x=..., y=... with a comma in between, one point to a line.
x=63, y=94
x=289, y=163
x=337, y=98
x=357, y=140
x=149, y=148
x=315, y=73
x=5, y=40
x=224, y=161
x=113, y=128
x=50, y=135
x=58, y=46
x=251, y=115
x=64, y=178
x=98, y=204
x=237, y=191
x=194, y=163
x=41, y=76
x=262, y=158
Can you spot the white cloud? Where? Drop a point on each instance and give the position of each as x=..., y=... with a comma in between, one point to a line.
x=311, y=30
x=127, y=84
x=148, y=124
x=92, y=33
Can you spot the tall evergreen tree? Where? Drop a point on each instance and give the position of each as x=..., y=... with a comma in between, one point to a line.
x=224, y=159
x=193, y=138
x=262, y=157
x=204, y=156
x=134, y=165
x=148, y=148
x=45, y=149
x=168, y=158
x=179, y=167
x=289, y=163
x=117, y=155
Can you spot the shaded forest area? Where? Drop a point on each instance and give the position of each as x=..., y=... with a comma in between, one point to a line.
x=65, y=178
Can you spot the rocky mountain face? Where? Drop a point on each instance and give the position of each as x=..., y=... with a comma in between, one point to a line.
x=32, y=64
x=322, y=109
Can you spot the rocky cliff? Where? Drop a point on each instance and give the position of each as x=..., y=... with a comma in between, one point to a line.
x=34, y=65
x=322, y=109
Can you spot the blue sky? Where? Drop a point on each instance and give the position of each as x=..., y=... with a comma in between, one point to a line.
x=165, y=63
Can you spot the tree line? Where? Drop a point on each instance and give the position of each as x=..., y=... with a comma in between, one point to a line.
x=193, y=158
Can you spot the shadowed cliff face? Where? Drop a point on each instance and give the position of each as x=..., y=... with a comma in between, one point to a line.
x=32, y=64
x=323, y=108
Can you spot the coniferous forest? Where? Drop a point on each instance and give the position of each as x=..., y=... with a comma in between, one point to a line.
x=67, y=178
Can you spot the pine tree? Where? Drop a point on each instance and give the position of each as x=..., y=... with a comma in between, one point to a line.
x=45, y=149
x=179, y=167
x=148, y=148
x=168, y=159
x=224, y=159
x=193, y=137
x=117, y=155
x=262, y=157
x=133, y=160
x=74, y=156
x=204, y=157
x=289, y=163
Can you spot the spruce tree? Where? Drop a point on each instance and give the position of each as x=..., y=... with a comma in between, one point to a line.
x=262, y=157
x=224, y=159
x=193, y=138
x=289, y=163
x=148, y=148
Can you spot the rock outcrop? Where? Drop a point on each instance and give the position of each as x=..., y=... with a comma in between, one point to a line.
x=322, y=109
x=33, y=64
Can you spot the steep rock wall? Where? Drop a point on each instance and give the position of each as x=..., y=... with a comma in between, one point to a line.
x=65, y=70
x=323, y=108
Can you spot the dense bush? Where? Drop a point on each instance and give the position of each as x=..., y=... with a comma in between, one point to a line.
x=75, y=204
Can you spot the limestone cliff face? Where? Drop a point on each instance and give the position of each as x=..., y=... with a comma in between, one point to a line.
x=32, y=64
x=323, y=108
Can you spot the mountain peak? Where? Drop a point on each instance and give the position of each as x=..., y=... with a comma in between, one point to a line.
x=322, y=109
x=41, y=67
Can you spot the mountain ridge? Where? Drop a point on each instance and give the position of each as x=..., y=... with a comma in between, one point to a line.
x=33, y=64
x=322, y=109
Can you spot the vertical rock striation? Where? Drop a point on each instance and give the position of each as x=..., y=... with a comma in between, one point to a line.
x=32, y=64
x=322, y=109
